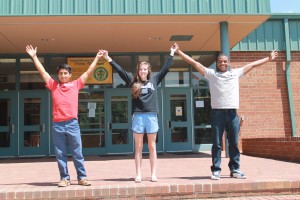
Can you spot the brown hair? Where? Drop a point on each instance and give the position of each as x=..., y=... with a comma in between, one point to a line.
x=136, y=83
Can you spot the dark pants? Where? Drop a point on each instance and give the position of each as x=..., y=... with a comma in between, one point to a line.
x=225, y=119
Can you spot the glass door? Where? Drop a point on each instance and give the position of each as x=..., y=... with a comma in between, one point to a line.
x=119, y=137
x=34, y=123
x=92, y=122
x=177, y=111
x=8, y=124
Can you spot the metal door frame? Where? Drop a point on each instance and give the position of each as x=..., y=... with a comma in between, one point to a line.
x=121, y=148
x=168, y=145
x=44, y=126
x=11, y=151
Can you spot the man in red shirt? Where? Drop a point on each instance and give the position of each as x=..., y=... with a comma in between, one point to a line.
x=65, y=128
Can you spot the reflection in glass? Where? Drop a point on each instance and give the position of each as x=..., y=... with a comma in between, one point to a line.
x=7, y=74
x=198, y=80
x=4, y=121
x=202, y=107
x=32, y=110
x=179, y=134
x=31, y=139
x=178, y=75
x=203, y=136
x=91, y=119
x=4, y=139
x=5, y=112
x=91, y=139
x=145, y=139
x=125, y=63
x=120, y=136
x=206, y=60
x=30, y=79
x=202, y=118
x=119, y=109
x=178, y=109
x=91, y=111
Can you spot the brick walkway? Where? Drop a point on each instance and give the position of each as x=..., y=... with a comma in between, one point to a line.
x=269, y=197
x=181, y=176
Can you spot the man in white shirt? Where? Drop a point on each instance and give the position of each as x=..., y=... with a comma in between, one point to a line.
x=224, y=89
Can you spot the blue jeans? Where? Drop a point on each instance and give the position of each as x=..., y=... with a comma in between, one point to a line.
x=225, y=119
x=66, y=134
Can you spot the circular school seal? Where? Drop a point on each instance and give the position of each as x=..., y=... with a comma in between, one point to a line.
x=100, y=74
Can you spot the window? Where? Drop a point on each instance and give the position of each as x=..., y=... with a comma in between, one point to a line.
x=178, y=75
x=7, y=74
x=125, y=62
x=30, y=78
x=202, y=108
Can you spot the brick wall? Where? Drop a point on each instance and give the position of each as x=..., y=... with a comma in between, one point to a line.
x=285, y=148
x=264, y=98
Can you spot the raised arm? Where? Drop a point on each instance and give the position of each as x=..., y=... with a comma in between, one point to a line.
x=198, y=66
x=257, y=63
x=84, y=77
x=165, y=69
x=125, y=76
x=32, y=52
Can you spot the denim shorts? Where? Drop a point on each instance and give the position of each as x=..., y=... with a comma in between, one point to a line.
x=144, y=123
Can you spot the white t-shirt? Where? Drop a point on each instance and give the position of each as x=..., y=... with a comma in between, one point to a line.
x=224, y=88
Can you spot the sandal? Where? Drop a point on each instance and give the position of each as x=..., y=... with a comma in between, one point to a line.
x=153, y=179
x=138, y=180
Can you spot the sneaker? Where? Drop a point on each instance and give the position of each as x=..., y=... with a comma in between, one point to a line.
x=84, y=182
x=238, y=174
x=64, y=183
x=215, y=175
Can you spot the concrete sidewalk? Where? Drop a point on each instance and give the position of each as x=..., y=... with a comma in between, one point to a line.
x=180, y=176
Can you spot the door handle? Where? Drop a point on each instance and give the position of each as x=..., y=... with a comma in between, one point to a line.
x=12, y=128
x=169, y=124
x=109, y=126
x=42, y=128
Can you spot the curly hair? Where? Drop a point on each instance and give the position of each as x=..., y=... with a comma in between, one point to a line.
x=137, y=82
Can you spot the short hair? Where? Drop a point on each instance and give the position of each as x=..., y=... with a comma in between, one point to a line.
x=221, y=55
x=64, y=66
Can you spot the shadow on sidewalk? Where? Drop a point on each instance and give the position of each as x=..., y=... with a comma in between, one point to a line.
x=174, y=155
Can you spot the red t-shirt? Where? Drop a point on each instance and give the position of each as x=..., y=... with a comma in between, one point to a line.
x=64, y=99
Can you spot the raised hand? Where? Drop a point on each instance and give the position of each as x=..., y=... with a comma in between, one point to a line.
x=99, y=54
x=31, y=51
x=105, y=54
x=174, y=47
x=273, y=55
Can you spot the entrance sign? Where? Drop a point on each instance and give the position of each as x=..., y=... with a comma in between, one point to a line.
x=101, y=75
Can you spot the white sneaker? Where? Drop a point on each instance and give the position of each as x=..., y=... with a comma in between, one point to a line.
x=238, y=174
x=215, y=175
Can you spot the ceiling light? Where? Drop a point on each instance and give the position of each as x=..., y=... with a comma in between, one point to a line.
x=29, y=72
x=7, y=60
x=47, y=39
x=154, y=38
x=181, y=37
x=29, y=60
x=179, y=69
